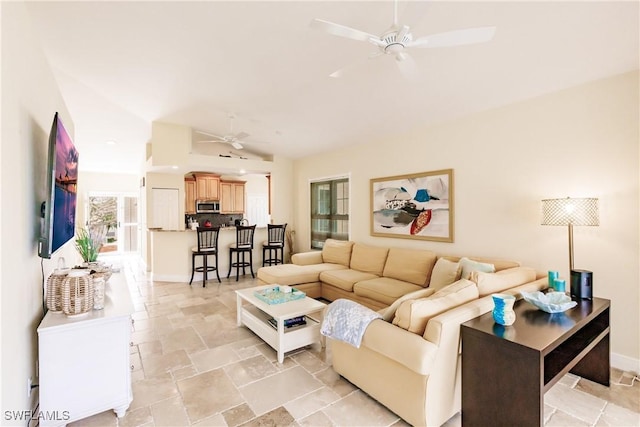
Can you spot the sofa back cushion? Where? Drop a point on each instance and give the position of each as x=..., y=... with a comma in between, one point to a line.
x=390, y=312
x=413, y=315
x=444, y=273
x=409, y=265
x=499, y=264
x=368, y=259
x=337, y=252
x=489, y=283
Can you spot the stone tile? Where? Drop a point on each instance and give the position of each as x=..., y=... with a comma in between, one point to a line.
x=277, y=417
x=159, y=364
x=208, y=393
x=182, y=339
x=615, y=415
x=309, y=361
x=269, y=393
x=238, y=415
x=213, y=358
x=136, y=417
x=182, y=373
x=334, y=381
x=152, y=390
x=562, y=419
x=214, y=323
x=569, y=380
x=621, y=395
x=169, y=413
x=139, y=337
x=183, y=321
x=150, y=348
x=212, y=421
x=204, y=309
x=311, y=403
x=358, y=409
x=226, y=336
x=103, y=419
x=575, y=403
x=317, y=419
x=249, y=370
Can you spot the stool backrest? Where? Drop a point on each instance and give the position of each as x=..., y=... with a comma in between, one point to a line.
x=244, y=236
x=208, y=238
x=275, y=233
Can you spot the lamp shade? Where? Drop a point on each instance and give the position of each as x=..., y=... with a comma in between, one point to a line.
x=569, y=211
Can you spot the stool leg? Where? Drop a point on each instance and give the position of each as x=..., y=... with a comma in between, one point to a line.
x=193, y=266
x=251, y=263
x=230, y=262
x=264, y=251
x=204, y=270
x=216, y=259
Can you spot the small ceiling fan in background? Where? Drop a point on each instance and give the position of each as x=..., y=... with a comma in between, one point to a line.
x=230, y=138
x=398, y=38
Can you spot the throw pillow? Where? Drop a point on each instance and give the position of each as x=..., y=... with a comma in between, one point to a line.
x=413, y=315
x=444, y=273
x=467, y=266
x=389, y=313
x=337, y=251
x=489, y=283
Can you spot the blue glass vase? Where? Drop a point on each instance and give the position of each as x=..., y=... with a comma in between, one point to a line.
x=503, y=313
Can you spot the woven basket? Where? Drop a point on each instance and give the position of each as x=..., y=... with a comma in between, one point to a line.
x=54, y=289
x=77, y=293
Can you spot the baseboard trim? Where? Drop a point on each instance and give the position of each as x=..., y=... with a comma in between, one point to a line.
x=625, y=363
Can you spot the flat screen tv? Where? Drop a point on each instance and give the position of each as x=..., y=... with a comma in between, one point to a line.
x=59, y=209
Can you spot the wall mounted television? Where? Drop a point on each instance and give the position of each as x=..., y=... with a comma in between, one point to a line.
x=58, y=211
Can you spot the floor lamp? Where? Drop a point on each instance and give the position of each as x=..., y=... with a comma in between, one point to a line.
x=570, y=212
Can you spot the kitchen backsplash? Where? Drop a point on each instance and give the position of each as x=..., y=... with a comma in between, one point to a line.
x=216, y=219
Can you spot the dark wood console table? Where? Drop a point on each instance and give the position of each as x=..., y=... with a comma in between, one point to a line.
x=507, y=369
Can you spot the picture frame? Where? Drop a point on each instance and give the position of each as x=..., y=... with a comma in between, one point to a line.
x=414, y=206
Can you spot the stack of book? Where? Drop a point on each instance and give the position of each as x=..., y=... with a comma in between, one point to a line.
x=289, y=323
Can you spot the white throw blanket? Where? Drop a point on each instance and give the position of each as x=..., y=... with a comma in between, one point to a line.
x=347, y=321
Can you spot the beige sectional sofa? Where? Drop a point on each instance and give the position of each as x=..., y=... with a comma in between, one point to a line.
x=410, y=360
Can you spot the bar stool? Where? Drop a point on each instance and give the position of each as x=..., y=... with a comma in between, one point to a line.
x=274, y=244
x=207, y=246
x=243, y=245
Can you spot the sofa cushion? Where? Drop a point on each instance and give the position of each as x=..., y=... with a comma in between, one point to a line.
x=291, y=274
x=444, y=273
x=337, y=251
x=384, y=289
x=344, y=278
x=369, y=259
x=413, y=315
x=499, y=264
x=467, y=266
x=489, y=283
x=389, y=313
x=410, y=265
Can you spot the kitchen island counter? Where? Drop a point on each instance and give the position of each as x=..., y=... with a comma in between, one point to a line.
x=171, y=253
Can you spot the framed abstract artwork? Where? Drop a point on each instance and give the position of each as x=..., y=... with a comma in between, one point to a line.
x=414, y=206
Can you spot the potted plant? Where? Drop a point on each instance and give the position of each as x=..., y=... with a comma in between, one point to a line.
x=88, y=245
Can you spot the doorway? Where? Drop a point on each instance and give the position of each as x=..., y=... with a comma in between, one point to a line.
x=116, y=216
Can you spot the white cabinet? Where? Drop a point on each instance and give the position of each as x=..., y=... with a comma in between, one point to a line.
x=84, y=361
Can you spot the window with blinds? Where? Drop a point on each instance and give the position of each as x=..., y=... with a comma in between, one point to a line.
x=329, y=211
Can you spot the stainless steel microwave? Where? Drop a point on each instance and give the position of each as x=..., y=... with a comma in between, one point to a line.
x=207, y=206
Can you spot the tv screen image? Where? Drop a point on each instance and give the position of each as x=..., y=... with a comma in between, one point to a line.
x=59, y=210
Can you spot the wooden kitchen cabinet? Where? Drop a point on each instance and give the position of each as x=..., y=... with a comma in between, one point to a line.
x=207, y=186
x=190, y=192
x=232, y=197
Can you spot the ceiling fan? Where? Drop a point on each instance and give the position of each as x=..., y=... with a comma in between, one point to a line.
x=229, y=138
x=398, y=38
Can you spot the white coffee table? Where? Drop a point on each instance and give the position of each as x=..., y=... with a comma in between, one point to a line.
x=255, y=316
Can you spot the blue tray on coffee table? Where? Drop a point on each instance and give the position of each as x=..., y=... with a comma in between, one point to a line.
x=275, y=296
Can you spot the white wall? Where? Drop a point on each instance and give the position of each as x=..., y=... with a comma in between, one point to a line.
x=578, y=142
x=30, y=97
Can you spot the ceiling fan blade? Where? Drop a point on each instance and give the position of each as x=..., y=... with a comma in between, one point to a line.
x=241, y=135
x=237, y=145
x=208, y=141
x=208, y=134
x=455, y=38
x=341, y=30
x=407, y=66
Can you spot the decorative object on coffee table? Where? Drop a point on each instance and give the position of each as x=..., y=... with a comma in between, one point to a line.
x=414, y=206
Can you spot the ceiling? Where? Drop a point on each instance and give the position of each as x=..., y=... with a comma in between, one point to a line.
x=123, y=65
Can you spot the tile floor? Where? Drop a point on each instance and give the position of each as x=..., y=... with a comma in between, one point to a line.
x=193, y=366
